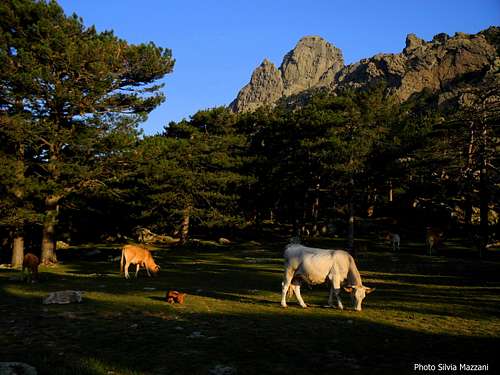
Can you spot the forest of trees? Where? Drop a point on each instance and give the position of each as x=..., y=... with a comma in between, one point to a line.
x=75, y=167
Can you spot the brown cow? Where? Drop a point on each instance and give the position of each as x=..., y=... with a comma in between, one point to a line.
x=433, y=239
x=31, y=263
x=173, y=296
x=133, y=254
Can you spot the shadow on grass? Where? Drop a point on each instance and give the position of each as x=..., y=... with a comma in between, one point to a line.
x=232, y=317
x=99, y=338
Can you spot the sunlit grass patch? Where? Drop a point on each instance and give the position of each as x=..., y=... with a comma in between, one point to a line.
x=422, y=308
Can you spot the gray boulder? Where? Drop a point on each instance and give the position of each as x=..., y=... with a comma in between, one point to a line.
x=16, y=368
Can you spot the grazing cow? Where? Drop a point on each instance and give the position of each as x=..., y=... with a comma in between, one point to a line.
x=139, y=256
x=317, y=266
x=30, y=263
x=393, y=239
x=433, y=239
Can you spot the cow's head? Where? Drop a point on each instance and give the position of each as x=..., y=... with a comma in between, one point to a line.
x=358, y=294
x=154, y=269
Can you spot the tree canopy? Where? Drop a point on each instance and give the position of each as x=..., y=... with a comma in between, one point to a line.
x=81, y=94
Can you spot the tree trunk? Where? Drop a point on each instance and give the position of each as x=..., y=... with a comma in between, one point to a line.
x=185, y=224
x=5, y=241
x=468, y=212
x=48, y=234
x=17, y=251
x=390, y=191
x=469, y=178
x=483, y=206
x=18, y=238
x=315, y=216
x=258, y=220
x=315, y=211
x=350, y=221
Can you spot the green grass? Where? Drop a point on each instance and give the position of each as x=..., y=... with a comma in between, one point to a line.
x=441, y=309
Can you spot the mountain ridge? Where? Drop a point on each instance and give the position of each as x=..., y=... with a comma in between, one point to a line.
x=314, y=64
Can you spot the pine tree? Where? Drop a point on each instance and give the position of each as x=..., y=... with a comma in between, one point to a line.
x=192, y=173
x=78, y=87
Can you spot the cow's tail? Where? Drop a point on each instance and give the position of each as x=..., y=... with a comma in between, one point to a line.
x=122, y=259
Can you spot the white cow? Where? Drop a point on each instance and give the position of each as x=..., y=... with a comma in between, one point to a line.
x=317, y=266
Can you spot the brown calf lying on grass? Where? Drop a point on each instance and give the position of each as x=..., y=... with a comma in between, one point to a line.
x=173, y=296
x=132, y=254
x=31, y=263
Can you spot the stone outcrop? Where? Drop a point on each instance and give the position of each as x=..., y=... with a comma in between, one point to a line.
x=436, y=65
x=63, y=297
x=16, y=368
x=144, y=235
x=265, y=87
x=311, y=63
x=312, y=59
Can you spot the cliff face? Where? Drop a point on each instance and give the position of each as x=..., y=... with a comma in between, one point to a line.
x=314, y=63
x=265, y=87
x=308, y=65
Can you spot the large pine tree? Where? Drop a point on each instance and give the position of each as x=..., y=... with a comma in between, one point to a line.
x=81, y=88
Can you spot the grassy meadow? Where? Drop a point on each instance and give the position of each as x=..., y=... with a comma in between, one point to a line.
x=439, y=309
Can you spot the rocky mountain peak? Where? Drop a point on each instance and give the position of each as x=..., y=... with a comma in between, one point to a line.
x=313, y=62
x=412, y=42
x=435, y=65
x=267, y=64
x=305, y=65
x=265, y=87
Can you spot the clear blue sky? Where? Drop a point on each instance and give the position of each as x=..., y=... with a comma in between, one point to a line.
x=218, y=43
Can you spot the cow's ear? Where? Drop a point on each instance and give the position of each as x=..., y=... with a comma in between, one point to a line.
x=369, y=290
x=348, y=289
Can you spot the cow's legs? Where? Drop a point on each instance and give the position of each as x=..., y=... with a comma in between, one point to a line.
x=137, y=268
x=337, y=295
x=335, y=288
x=127, y=265
x=296, y=290
x=330, y=297
x=147, y=270
x=285, y=285
x=339, y=302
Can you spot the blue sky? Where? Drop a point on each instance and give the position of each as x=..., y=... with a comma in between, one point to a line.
x=218, y=43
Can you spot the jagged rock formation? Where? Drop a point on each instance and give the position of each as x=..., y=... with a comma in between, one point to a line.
x=309, y=64
x=316, y=64
x=265, y=87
